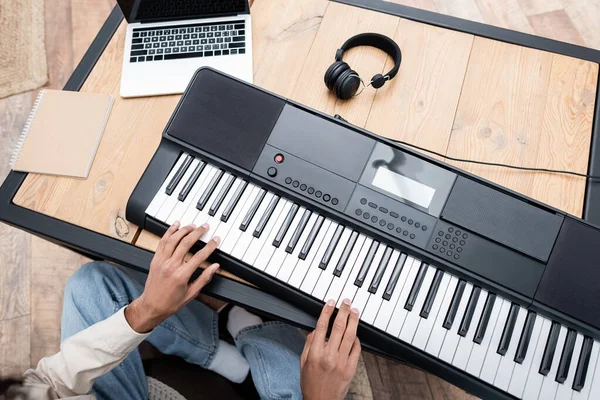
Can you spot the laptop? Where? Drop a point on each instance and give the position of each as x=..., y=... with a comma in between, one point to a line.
x=168, y=40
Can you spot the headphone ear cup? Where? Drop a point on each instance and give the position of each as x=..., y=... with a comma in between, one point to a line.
x=347, y=84
x=333, y=72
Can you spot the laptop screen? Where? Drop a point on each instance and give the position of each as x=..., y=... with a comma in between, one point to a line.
x=165, y=10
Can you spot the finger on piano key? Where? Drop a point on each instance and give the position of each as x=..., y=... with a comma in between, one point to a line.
x=232, y=210
x=191, y=187
x=429, y=316
x=249, y=222
x=314, y=272
x=534, y=379
x=349, y=289
x=267, y=250
x=565, y=390
x=525, y=354
x=228, y=244
x=411, y=322
x=379, y=283
x=263, y=230
x=549, y=384
x=492, y=358
x=452, y=337
x=397, y=319
x=591, y=388
x=347, y=239
x=302, y=267
x=289, y=265
x=483, y=333
x=176, y=179
x=468, y=326
x=160, y=196
x=584, y=365
x=438, y=333
x=280, y=253
x=507, y=362
x=214, y=221
x=171, y=202
x=191, y=211
x=362, y=294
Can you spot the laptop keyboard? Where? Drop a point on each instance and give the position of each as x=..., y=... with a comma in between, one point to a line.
x=188, y=41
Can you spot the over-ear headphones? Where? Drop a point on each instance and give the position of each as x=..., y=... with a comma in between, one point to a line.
x=344, y=81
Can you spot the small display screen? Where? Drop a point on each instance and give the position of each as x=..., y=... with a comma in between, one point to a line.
x=403, y=187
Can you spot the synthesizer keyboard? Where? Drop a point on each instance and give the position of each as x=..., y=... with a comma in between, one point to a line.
x=440, y=278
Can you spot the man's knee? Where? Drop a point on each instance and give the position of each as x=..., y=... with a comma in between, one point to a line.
x=91, y=277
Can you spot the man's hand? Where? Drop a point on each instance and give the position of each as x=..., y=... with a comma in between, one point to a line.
x=168, y=288
x=327, y=367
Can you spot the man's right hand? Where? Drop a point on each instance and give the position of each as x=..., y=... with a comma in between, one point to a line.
x=328, y=366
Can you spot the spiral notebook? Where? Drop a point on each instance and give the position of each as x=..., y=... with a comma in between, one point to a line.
x=62, y=134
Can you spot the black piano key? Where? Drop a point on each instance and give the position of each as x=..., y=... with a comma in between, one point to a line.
x=414, y=291
x=234, y=201
x=298, y=232
x=364, y=268
x=550, y=348
x=331, y=248
x=387, y=254
x=525, y=338
x=435, y=286
x=221, y=196
x=583, y=364
x=488, y=307
x=339, y=268
x=179, y=174
x=252, y=211
x=566, y=356
x=209, y=190
x=192, y=181
x=286, y=225
x=265, y=217
x=453, y=309
x=391, y=285
x=470, y=310
x=508, y=330
x=311, y=238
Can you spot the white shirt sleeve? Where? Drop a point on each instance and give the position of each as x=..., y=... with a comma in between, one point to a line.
x=85, y=357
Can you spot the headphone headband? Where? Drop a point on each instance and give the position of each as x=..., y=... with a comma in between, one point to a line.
x=381, y=42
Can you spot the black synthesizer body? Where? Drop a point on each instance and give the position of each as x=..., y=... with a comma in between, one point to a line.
x=488, y=289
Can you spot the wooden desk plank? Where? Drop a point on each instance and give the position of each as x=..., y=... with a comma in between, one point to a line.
x=419, y=105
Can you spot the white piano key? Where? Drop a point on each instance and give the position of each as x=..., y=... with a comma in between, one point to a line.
x=507, y=363
x=182, y=206
x=376, y=299
x=280, y=253
x=327, y=276
x=286, y=270
x=258, y=242
x=426, y=325
x=438, y=333
x=386, y=310
x=265, y=254
x=336, y=287
x=465, y=343
x=479, y=351
x=412, y=319
x=246, y=237
x=534, y=379
x=202, y=215
x=549, y=384
x=314, y=272
x=229, y=242
x=397, y=320
x=452, y=337
x=492, y=358
x=169, y=205
x=565, y=390
x=190, y=213
x=362, y=294
x=224, y=227
x=215, y=221
x=161, y=195
x=302, y=267
x=591, y=389
x=519, y=376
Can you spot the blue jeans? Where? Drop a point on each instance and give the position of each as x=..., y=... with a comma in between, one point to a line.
x=97, y=290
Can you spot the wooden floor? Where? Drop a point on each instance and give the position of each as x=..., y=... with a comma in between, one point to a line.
x=33, y=272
